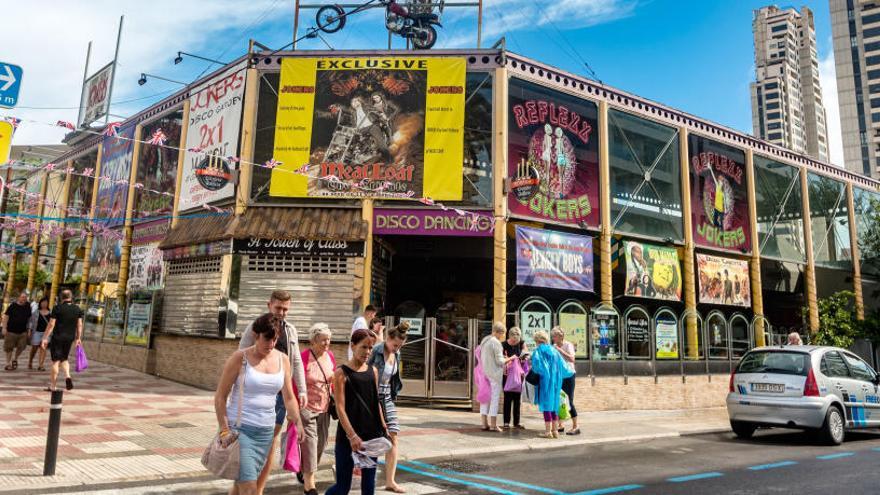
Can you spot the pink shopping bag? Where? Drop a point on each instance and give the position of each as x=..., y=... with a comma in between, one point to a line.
x=81, y=361
x=515, y=376
x=291, y=453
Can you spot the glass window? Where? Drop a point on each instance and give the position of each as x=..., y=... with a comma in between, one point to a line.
x=833, y=366
x=637, y=324
x=830, y=222
x=780, y=210
x=645, y=177
x=780, y=362
x=739, y=336
x=719, y=339
x=858, y=369
x=157, y=168
x=867, y=216
x=477, y=169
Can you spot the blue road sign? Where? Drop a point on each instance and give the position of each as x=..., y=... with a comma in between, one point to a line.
x=10, y=84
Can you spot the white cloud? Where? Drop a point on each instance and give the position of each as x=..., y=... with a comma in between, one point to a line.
x=51, y=39
x=828, y=80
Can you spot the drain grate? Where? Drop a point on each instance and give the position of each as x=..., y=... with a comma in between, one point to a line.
x=462, y=466
x=177, y=425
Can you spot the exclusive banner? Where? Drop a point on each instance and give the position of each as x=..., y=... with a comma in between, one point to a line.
x=553, y=155
x=383, y=127
x=652, y=271
x=553, y=259
x=724, y=281
x=719, y=195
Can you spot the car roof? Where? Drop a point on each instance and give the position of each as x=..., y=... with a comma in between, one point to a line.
x=797, y=348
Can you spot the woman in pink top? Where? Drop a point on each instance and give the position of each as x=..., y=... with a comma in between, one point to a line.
x=319, y=364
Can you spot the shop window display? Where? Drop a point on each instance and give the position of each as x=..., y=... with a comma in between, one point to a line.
x=830, y=222
x=718, y=338
x=645, y=177
x=780, y=210
x=604, y=335
x=740, y=340
x=637, y=325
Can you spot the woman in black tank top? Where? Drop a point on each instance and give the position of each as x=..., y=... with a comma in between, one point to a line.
x=355, y=386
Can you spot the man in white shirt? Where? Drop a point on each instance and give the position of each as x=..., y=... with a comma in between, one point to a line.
x=363, y=322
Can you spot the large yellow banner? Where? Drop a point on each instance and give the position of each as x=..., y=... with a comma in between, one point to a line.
x=381, y=127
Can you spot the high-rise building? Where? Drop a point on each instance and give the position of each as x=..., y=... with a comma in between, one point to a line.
x=786, y=97
x=855, y=25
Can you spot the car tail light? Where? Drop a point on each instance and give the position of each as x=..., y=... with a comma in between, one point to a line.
x=811, y=388
x=731, y=381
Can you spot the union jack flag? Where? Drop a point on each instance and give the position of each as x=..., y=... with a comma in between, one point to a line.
x=64, y=123
x=233, y=159
x=426, y=201
x=49, y=166
x=272, y=163
x=158, y=138
x=197, y=149
x=112, y=129
x=14, y=121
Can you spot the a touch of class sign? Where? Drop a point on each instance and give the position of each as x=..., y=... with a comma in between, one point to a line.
x=10, y=84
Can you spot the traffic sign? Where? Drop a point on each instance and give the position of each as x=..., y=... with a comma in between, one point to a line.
x=10, y=84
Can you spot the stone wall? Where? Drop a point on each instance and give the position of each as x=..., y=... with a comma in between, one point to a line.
x=125, y=356
x=611, y=394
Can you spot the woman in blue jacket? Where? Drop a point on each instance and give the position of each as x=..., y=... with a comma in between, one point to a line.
x=386, y=359
x=549, y=366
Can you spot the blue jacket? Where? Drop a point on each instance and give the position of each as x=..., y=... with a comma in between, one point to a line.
x=548, y=364
x=377, y=360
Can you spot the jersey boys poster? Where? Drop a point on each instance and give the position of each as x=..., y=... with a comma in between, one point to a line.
x=384, y=127
x=719, y=195
x=553, y=155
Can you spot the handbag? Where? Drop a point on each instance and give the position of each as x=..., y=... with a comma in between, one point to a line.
x=224, y=461
x=290, y=453
x=82, y=362
x=533, y=378
x=514, y=380
x=332, y=407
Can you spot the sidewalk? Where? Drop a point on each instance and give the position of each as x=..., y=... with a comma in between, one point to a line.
x=122, y=426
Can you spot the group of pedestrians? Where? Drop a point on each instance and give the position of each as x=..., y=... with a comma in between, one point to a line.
x=269, y=380
x=55, y=331
x=547, y=373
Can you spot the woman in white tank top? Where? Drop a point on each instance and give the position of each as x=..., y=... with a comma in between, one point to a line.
x=245, y=400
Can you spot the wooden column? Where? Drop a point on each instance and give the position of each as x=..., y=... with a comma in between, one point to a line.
x=60, y=251
x=35, y=244
x=181, y=156
x=13, y=262
x=810, y=271
x=248, y=134
x=606, y=291
x=755, y=261
x=499, y=196
x=367, y=215
x=854, y=250
x=690, y=290
x=90, y=238
x=122, y=286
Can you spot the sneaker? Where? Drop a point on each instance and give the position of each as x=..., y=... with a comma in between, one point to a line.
x=69, y=383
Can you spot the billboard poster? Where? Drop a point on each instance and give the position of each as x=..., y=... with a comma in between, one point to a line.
x=553, y=156
x=556, y=260
x=157, y=169
x=382, y=127
x=719, y=195
x=723, y=281
x=114, y=322
x=213, y=129
x=105, y=256
x=638, y=334
x=575, y=327
x=666, y=336
x=146, y=267
x=116, y=170
x=387, y=221
x=79, y=201
x=95, y=101
x=652, y=271
x=138, y=321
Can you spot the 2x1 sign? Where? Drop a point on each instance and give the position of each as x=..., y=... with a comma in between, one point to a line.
x=10, y=84
x=297, y=247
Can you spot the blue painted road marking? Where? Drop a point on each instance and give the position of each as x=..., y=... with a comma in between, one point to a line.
x=693, y=477
x=460, y=482
x=504, y=481
x=610, y=489
x=876, y=449
x=834, y=456
x=762, y=467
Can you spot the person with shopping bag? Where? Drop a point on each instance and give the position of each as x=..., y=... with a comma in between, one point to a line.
x=550, y=370
x=65, y=329
x=514, y=374
x=319, y=363
x=493, y=362
x=249, y=383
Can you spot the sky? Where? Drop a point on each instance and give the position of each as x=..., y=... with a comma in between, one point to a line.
x=693, y=55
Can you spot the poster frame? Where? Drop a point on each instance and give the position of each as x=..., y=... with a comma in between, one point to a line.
x=542, y=303
x=632, y=309
x=603, y=310
x=139, y=299
x=726, y=329
x=666, y=310
x=582, y=309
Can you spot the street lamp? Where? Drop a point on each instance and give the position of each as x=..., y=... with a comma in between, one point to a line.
x=143, y=79
x=179, y=58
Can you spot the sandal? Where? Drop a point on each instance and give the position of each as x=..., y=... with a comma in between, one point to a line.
x=41, y=368
x=576, y=431
x=15, y=364
x=394, y=489
x=545, y=434
x=8, y=367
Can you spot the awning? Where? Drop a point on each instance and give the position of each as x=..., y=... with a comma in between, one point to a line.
x=342, y=224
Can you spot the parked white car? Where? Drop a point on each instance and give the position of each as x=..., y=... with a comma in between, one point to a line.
x=823, y=389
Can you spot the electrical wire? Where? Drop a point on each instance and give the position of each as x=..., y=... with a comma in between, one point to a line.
x=161, y=93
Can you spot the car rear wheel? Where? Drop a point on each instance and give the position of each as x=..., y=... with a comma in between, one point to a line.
x=832, y=432
x=743, y=429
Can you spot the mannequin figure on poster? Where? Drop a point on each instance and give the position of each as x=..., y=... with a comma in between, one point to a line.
x=561, y=160
x=547, y=146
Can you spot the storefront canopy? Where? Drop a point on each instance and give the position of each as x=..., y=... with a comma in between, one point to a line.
x=271, y=222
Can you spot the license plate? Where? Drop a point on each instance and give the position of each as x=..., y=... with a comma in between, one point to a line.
x=776, y=388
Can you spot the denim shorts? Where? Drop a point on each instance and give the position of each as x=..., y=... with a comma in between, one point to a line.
x=254, y=443
x=280, y=410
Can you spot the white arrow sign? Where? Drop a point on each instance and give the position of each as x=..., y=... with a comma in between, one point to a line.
x=9, y=78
